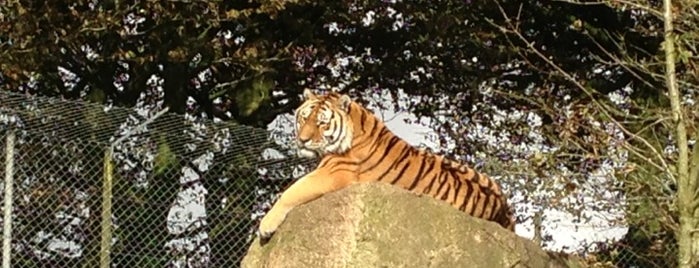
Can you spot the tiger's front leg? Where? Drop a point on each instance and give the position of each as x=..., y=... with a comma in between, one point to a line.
x=306, y=189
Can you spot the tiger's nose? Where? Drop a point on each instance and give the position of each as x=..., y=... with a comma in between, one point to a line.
x=304, y=138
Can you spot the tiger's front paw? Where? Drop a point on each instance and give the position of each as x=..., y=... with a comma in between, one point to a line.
x=269, y=225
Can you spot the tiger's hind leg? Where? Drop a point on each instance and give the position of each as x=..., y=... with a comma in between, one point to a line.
x=306, y=189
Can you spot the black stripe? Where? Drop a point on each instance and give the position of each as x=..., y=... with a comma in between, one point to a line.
x=469, y=192
x=369, y=138
x=381, y=137
x=395, y=163
x=429, y=186
x=441, y=182
x=482, y=208
x=373, y=126
x=365, y=126
x=490, y=183
x=457, y=187
x=419, y=176
x=394, y=140
x=495, y=214
x=493, y=205
x=340, y=129
x=401, y=172
x=376, y=141
x=475, y=202
x=446, y=193
x=499, y=209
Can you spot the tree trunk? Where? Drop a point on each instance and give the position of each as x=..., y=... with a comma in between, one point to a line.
x=686, y=197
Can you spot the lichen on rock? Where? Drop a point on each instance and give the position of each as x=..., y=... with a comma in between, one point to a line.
x=378, y=225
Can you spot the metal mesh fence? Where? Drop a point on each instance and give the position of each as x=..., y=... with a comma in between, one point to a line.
x=108, y=187
x=97, y=185
x=637, y=248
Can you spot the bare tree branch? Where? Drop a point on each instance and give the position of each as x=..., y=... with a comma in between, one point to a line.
x=602, y=108
x=610, y=3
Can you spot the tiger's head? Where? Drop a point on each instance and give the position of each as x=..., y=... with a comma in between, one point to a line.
x=323, y=124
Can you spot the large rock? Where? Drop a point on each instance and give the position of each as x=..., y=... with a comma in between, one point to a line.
x=377, y=225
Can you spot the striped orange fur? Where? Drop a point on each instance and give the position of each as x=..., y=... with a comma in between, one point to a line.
x=355, y=146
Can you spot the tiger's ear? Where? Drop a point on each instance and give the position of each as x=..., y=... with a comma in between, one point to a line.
x=308, y=94
x=344, y=102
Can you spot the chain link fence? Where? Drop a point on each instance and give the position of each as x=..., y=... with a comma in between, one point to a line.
x=110, y=187
x=97, y=186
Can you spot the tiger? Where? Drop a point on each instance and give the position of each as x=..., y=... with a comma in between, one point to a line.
x=354, y=146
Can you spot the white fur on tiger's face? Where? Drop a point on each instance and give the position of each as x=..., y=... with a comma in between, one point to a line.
x=322, y=125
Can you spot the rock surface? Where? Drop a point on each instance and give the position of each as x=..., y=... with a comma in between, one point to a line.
x=377, y=225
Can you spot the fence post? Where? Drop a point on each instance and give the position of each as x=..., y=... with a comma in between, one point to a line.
x=7, y=208
x=106, y=232
x=538, y=224
x=106, y=223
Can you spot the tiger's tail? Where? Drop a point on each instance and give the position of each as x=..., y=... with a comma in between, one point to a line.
x=506, y=218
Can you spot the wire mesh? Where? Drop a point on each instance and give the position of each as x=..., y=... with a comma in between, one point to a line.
x=635, y=249
x=186, y=192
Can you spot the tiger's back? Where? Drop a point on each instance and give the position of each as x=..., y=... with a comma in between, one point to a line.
x=376, y=154
x=433, y=175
